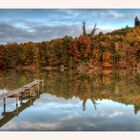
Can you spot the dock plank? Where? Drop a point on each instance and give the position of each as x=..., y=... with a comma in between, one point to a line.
x=20, y=90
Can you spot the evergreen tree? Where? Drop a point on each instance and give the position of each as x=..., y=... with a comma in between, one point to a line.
x=84, y=28
x=137, y=22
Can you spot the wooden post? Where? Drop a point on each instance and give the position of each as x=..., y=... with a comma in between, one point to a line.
x=42, y=85
x=30, y=92
x=21, y=94
x=31, y=102
x=21, y=102
x=17, y=99
x=4, y=101
x=38, y=88
x=4, y=105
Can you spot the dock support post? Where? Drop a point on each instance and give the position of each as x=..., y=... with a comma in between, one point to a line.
x=30, y=92
x=38, y=88
x=31, y=102
x=17, y=99
x=4, y=105
x=21, y=102
x=21, y=94
x=42, y=85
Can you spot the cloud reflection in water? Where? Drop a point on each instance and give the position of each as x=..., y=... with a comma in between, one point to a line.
x=53, y=113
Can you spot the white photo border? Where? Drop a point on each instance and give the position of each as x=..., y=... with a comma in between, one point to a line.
x=70, y=4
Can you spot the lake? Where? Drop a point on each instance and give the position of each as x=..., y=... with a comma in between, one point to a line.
x=106, y=100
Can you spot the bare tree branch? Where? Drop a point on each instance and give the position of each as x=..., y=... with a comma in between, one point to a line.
x=94, y=30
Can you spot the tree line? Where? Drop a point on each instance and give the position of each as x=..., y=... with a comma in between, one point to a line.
x=119, y=48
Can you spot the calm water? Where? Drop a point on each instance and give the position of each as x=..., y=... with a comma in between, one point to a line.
x=105, y=100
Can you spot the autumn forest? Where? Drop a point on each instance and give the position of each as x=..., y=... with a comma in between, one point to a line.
x=117, y=49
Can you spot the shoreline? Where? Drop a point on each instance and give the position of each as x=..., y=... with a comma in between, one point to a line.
x=78, y=68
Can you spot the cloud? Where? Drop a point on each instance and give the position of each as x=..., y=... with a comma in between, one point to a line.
x=112, y=14
x=24, y=31
x=52, y=113
x=41, y=25
x=27, y=30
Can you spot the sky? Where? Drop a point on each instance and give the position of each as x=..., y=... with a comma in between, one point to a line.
x=23, y=25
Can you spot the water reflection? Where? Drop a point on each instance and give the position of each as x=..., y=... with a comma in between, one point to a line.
x=7, y=116
x=97, y=100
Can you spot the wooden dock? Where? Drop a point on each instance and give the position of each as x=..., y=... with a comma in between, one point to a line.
x=19, y=92
x=30, y=92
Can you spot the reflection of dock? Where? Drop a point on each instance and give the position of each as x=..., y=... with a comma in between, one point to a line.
x=30, y=92
x=7, y=116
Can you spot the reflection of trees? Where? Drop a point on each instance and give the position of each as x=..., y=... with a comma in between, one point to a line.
x=121, y=86
x=12, y=79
